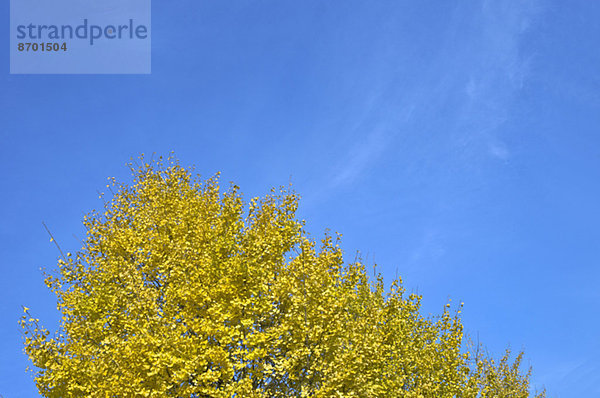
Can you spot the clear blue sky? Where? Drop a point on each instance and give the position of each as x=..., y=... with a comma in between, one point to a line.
x=456, y=143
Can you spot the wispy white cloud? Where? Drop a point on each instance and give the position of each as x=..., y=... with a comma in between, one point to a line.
x=497, y=73
x=577, y=377
x=499, y=150
x=478, y=72
x=428, y=251
x=368, y=148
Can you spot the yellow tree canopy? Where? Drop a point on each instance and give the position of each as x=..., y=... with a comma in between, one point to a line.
x=183, y=290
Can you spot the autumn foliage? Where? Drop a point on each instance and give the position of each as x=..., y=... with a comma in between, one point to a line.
x=181, y=289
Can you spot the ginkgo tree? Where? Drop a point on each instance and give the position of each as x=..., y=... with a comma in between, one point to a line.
x=182, y=289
